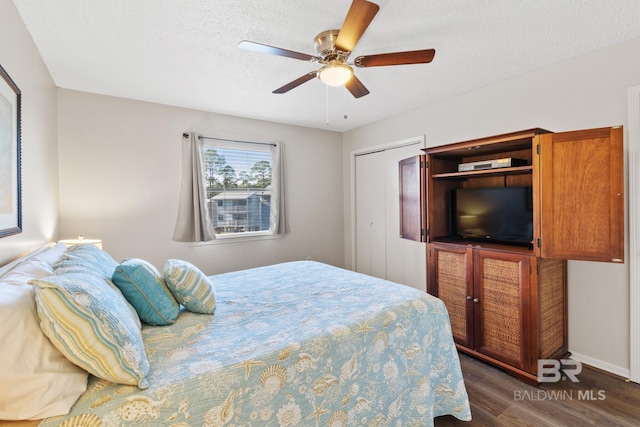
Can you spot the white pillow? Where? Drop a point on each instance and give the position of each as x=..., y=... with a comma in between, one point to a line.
x=36, y=380
x=52, y=255
x=27, y=270
x=49, y=256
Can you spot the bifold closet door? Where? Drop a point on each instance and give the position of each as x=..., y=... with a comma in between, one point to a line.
x=380, y=251
x=370, y=215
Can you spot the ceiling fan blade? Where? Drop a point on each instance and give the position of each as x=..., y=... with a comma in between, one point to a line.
x=355, y=86
x=297, y=82
x=263, y=48
x=397, y=58
x=360, y=15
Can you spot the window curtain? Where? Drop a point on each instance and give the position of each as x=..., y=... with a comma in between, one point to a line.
x=194, y=221
x=278, y=209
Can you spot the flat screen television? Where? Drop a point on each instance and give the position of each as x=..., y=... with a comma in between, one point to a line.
x=501, y=215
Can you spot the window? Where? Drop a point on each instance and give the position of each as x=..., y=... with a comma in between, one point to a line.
x=238, y=182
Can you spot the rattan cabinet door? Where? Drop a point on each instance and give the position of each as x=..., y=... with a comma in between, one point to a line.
x=501, y=306
x=450, y=279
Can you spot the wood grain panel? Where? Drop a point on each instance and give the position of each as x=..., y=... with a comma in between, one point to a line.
x=412, y=198
x=581, y=195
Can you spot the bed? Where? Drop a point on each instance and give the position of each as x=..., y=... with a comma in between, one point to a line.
x=294, y=344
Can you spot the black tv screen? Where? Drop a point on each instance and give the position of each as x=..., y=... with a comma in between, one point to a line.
x=503, y=215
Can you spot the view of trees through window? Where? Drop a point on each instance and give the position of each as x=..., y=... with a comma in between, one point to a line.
x=238, y=189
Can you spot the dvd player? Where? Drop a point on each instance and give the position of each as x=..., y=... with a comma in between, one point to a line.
x=506, y=162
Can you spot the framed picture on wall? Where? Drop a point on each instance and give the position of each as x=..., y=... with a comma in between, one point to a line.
x=10, y=179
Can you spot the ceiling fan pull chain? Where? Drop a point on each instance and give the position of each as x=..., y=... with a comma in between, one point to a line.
x=327, y=107
x=345, y=102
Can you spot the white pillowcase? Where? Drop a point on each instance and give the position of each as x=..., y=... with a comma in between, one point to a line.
x=36, y=380
x=52, y=255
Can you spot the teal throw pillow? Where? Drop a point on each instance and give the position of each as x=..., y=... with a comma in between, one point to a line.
x=143, y=286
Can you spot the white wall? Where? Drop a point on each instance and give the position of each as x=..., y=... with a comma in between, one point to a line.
x=120, y=179
x=20, y=58
x=585, y=92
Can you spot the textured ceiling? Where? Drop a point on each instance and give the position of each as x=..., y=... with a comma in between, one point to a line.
x=185, y=52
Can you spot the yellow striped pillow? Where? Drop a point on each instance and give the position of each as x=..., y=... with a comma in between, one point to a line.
x=88, y=322
x=191, y=287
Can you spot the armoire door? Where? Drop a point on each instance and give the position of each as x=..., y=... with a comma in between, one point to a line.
x=581, y=197
x=451, y=280
x=413, y=198
x=502, y=296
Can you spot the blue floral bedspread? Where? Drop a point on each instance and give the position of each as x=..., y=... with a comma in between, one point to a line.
x=293, y=344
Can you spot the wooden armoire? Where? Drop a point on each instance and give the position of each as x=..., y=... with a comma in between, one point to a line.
x=508, y=303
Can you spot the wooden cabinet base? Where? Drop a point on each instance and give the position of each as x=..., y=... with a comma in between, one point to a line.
x=506, y=306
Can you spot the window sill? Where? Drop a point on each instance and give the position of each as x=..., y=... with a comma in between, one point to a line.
x=234, y=238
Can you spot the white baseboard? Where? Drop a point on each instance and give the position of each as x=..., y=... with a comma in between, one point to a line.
x=605, y=366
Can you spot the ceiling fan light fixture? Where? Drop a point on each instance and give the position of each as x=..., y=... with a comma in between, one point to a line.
x=335, y=74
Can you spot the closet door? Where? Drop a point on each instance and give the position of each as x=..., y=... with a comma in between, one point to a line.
x=371, y=215
x=380, y=251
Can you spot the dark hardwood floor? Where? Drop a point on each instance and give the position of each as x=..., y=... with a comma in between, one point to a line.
x=498, y=399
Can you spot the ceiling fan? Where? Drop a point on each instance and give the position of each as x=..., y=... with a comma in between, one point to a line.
x=334, y=48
